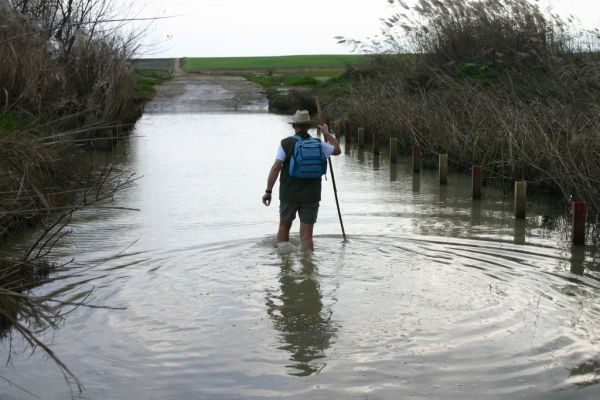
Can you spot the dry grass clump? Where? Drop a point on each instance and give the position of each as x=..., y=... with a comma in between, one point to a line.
x=497, y=82
x=63, y=64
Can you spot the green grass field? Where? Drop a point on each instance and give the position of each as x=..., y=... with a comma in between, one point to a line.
x=329, y=61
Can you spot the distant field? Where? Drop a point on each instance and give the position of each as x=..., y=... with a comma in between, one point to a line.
x=332, y=62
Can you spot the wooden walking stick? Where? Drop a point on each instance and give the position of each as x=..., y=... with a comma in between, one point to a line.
x=337, y=203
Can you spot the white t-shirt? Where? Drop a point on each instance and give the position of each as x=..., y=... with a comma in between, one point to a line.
x=327, y=151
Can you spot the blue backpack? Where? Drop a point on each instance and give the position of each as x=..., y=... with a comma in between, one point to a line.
x=308, y=160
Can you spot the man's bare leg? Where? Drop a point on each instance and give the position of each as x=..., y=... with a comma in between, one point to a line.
x=283, y=234
x=306, y=235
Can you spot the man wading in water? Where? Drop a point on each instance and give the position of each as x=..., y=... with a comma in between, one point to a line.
x=296, y=194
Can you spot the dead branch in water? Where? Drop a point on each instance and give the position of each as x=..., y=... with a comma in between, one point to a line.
x=30, y=314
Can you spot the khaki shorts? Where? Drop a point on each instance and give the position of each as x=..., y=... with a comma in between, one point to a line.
x=307, y=211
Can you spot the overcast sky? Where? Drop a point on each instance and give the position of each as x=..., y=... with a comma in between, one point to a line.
x=211, y=28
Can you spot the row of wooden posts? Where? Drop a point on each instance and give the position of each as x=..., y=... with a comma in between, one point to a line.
x=579, y=208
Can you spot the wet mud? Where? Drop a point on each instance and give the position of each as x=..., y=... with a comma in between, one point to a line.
x=188, y=93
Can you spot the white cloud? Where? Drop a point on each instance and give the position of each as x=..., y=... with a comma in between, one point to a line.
x=275, y=27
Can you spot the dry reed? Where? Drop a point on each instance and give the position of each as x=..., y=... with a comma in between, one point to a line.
x=66, y=79
x=496, y=82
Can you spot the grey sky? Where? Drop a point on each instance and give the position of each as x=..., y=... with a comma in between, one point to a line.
x=210, y=28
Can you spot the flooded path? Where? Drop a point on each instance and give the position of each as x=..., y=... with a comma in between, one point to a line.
x=433, y=296
x=192, y=93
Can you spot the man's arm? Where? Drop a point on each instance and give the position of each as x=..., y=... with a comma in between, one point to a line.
x=329, y=138
x=273, y=174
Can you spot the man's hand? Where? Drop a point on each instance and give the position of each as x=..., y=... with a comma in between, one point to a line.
x=324, y=128
x=329, y=138
x=273, y=173
x=266, y=199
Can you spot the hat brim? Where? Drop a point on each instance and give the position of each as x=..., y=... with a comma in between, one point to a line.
x=311, y=122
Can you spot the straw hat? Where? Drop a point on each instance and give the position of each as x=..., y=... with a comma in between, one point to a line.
x=302, y=117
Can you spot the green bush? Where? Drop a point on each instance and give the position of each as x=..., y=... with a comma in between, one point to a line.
x=301, y=80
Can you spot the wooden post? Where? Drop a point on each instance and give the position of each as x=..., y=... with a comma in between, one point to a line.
x=443, y=166
x=375, y=144
x=115, y=131
x=520, y=199
x=361, y=138
x=348, y=130
x=579, y=210
x=394, y=150
x=477, y=178
x=417, y=158
x=337, y=127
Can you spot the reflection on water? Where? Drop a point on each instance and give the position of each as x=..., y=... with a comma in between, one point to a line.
x=578, y=260
x=416, y=183
x=434, y=296
x=520, y=231
x=586, y=374
x=376, y=164
x=443, y=195
x=360, y=155
x=298, y=313
x=476, y=213
x=393, y=172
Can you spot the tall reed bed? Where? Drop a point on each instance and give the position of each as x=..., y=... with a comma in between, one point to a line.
x=64, y=65
x=496, y=82
x=66, y=83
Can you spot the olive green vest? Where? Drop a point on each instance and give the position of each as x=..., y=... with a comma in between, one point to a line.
x=292, y=189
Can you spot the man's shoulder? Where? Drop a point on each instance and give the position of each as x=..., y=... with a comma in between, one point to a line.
x=287, y=139
x=287, y=142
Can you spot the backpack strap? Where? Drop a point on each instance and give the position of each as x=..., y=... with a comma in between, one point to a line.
x=289, y=146
x=298, y=138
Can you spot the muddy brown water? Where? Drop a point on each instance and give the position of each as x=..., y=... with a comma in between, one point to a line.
x=434, y=296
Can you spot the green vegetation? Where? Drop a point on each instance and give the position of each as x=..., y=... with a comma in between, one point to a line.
x=147, y=79
x=268, y=81
x=290, y=91
x=11, y=122
x=589, y=369
x=309, y=62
